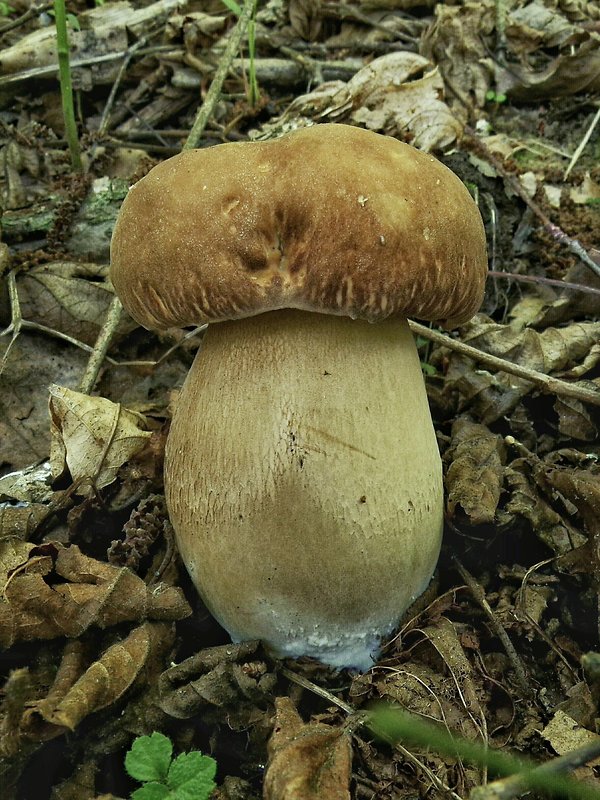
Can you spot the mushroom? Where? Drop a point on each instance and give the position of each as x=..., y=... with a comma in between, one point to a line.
x=302, y=473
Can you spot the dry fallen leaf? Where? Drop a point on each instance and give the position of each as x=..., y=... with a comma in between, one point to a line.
x=475, y=475
x=310, y=761
x=108, y=678
x=230, y=679
x=59, y=591
x=398, y=94
x=564, y=735
x=526, y=501
x=92, y=436
x=33, y=362
x=68, y=297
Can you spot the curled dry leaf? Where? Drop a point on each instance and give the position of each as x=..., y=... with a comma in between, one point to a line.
x=230, y=677
x=550, y=350
x=458, y=42
x=398, y=93
x=92, y=436
x=581, y=488
x=311, y=761
x=58, y=591
x=475, y=475
x=533, y=28
x=108, y=678
x=525, y=500
x=575, y=420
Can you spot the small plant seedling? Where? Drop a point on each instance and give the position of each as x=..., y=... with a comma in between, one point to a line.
x=495, y=97
x=150, y=761
x=253, y=90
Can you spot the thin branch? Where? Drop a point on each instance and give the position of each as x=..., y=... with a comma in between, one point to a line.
x=515, y=276
x=107, y=331
x=557, y=233
x=545, y=382
x=212, y=96
x=479, y=595
x=582, y=144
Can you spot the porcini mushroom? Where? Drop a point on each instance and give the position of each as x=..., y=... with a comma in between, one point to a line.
x=302, y=472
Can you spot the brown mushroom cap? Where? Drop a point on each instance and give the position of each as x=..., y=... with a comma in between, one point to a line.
x=331, y=218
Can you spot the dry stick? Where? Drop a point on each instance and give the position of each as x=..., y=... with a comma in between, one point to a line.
x=557, y=233
x=515, y=276
x=479, y=595
x=516, y=785
x=545, y=382
x=34, y=11
x=214, y=92
x=107, y=331
x=321, y=692
x=582, y=144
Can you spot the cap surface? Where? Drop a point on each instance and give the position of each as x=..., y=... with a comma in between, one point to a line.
x=332, y=218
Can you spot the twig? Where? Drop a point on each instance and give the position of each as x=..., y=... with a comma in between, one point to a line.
x=479, y=595
x=34, y=11
x=318, y=690
x=107, y=331
x=214, y=92
x=515, y=785
x=557, y=233
x=582, y=144
x=300, y=680
x=514, y=276
x=113, y=92
x=545, y=382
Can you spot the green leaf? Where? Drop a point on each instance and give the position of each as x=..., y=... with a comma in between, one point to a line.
x=149, y=758
x=73, y=22
x=152, y=791
x=191, y=776
x=233, y=6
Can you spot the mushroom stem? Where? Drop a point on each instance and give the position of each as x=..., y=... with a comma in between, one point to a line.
x=304, y=481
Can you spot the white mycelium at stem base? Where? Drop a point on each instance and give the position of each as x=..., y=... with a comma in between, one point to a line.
x=304, y=481
x=302, y=472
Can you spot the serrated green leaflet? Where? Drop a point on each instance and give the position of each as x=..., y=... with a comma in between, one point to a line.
x=189, y=777
x=152, y=791
x=193, y=768
x=149, y=759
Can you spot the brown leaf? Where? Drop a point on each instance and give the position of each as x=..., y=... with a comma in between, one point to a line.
x=34, y=362
x=400, y=93
x=108, y=678
x=69, y=297
x=457, y=43
x=548, y=351
x=575, y=420
x=579, y=487
x=223, y=677
x=92, y=436
x=91, y=593
x=310, y=761
x=526, y=501
x=475, y=475
x=306, y=18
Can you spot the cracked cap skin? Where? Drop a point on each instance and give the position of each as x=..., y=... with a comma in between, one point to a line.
x=332, y=219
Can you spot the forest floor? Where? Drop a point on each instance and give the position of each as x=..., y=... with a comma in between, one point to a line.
x=103, y=637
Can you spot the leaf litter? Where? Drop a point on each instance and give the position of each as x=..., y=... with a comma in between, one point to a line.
x=102, y=634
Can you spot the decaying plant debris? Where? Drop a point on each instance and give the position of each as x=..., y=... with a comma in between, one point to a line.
x=102, y=636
